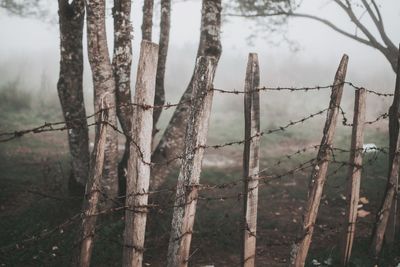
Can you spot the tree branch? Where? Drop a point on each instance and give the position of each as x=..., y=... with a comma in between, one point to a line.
x=378, y=23
x=348, y=9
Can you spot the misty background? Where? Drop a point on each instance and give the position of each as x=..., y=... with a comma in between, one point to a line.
x=29, y=58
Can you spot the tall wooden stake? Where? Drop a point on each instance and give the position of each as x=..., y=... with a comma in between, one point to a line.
x=387, y=215
x=354, y=175
x=318, y=176
x=251, y=160
x=138, y=176
x=189, y=175
x=85, y=237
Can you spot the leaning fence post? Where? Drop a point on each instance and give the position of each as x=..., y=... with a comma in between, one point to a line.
x=189, y=175
x=354, y=175
x=387, y=215
x=251, y=160
x=318, y=175
x=138, y=176
x=92, y=195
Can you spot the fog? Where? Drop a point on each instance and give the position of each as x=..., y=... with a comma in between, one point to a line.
x=29, y=54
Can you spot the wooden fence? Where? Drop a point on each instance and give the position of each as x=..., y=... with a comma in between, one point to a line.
x=188, y=183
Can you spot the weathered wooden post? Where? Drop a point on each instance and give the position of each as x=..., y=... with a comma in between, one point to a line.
x=92, y=195
x=138, y=176
x=354, y=175
x=189, y=175
x=251, y=160
x=318, y=176
x=387, y=215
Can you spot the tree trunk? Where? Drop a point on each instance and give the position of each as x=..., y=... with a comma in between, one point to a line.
x=147, y=24
x=138, y=177
x=165, y=24
x=387, y=215
x=70, y=90
x=104, y=88
x=122, y=61
x=172, y=141
x=394, y=113
x=189, y=176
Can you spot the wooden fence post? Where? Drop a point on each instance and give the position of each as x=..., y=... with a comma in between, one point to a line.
x=85, y=236
x=138, y=176
x=318, y=176
x=354, y=175
x=387, y=215
x=251, y=160
x=189, y=175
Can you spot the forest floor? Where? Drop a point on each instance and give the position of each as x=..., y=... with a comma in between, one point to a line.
x=35, y=210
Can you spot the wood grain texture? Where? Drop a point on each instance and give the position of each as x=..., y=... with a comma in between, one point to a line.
x=189, y=175
x=318, y=175
x=251, y=160
x=138, y=176
x=354, y=175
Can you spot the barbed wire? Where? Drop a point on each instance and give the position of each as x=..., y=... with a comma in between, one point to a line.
x=63, y=125
x=261, y=176
x=201, y=187
x=301, y=89
x=345, y=119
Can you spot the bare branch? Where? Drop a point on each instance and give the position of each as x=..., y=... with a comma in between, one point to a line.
x=378, y=23
x=378, y=12
x=348, y=9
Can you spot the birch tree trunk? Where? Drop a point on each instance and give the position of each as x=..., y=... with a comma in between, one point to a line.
x=122, y=62
x=172, y=141
x=70, y=89
x=165, y=25
x=104, y=87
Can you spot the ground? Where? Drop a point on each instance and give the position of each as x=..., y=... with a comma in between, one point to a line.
x=38, y=218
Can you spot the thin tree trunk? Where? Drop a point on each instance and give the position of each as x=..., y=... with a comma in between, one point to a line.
x=165, y=25
x=171, y=144
x=138, y=178
x=384, y=218
x=147, y=24
x=251, y=161
x=70, y=90
x=85, y=237
x=394, y=114
x=189, y=176
x=122, y=61
x=354, y=176
x=318, y=176
x=104, y=88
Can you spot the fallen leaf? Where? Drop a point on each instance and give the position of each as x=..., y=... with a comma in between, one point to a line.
x=363, y=213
